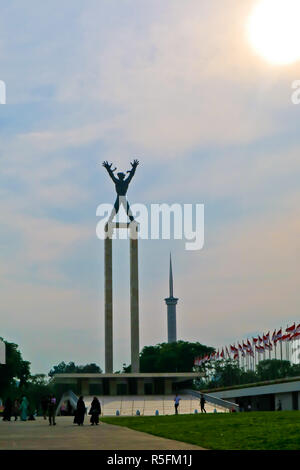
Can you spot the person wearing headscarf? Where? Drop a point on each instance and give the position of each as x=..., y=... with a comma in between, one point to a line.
x=80, y=412
x=95, y=411
x=24, y=409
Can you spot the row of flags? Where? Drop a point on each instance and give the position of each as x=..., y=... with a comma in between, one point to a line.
x=260, y=344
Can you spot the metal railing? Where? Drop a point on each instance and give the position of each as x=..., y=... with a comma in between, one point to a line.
x=212, y=399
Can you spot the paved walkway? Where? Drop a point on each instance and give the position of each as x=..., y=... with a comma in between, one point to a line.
x=38, y=435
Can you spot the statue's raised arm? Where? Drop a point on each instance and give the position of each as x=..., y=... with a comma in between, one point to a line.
x=131, y=172
x=108, y=166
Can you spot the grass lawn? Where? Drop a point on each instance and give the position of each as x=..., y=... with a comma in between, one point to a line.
x=277, y=430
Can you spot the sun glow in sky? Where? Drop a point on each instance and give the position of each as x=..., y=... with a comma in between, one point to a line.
x=274, y=30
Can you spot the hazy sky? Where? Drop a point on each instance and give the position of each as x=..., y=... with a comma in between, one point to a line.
x=177, y=84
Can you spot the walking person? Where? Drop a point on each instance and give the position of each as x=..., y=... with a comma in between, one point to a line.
x=80, y=412
x=63, y=409
x=24, y=408
x=279, y=406
x=44, y=406
x=7, y=412
x=16, y=409
x=176, y=403
x=31, y=411
x=95, y=411
x=51, y=410
x=202, y=403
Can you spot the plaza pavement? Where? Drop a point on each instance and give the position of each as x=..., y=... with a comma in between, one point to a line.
x=38, y=435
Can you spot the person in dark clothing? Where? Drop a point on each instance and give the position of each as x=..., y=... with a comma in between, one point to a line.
x=202, y=404
x=80, y=412
x=16, y=408
x=44, y=406
x=51, y=410
x=69, y=408
x=279, y=406
x=7, y=410
x=95, y=411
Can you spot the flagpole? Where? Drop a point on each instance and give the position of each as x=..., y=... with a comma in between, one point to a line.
x=248, y=360
x=281, y=345
x=286, y=347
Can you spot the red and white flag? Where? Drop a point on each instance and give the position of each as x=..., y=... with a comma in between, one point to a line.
x=291, y=329
x=241, y=350
x=250, y=351
x=278, y=335
x=266, y=338
x=294, y=336
x=285, y=337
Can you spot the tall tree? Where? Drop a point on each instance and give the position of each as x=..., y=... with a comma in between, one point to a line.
x=171, y=357
x=72, y=368
x=15, y=369
x=272, y=369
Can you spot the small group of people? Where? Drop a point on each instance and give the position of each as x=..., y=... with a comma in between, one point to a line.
x=48, y=405
x=81, y=409
x=17, y=408
x=11, y=409
x=177, y=400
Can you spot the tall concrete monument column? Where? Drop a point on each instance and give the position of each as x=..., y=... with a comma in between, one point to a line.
x=171, y=302
x=108, y=298
x=134, y=295
x=134, y=299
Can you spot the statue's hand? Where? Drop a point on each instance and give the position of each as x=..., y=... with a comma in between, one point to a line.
x=135, y=163
x=107, y=165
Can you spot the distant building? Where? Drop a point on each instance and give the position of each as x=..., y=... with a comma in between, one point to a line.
x=264, y=396
x=171, y=302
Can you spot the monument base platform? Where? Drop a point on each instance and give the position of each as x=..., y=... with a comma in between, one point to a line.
x=125, y=384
